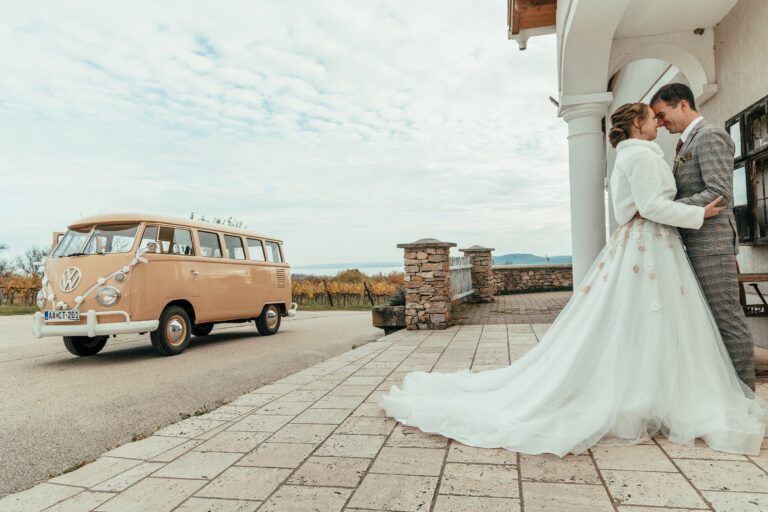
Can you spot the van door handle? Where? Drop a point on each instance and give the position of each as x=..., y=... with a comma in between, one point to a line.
x=194, y=273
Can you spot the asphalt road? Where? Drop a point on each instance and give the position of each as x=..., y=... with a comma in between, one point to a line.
x=58, y=410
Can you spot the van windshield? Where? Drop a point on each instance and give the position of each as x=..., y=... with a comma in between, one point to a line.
x=72, y=242
x=112, y=239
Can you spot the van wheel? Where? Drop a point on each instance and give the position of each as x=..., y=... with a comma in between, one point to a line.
x=269, y=321
x=202, y=329
x=173, y=333
x=84, y=346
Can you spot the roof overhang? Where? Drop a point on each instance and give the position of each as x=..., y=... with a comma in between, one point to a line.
x=526, y=18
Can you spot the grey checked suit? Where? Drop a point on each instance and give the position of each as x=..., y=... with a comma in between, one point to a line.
x=703, y=171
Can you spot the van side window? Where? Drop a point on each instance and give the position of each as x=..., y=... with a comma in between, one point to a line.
x=256, y=250
x=234, y=245
x=182, y=242
x=149, y=237
x=273, y=252
x=209, y=244
x=175, y=241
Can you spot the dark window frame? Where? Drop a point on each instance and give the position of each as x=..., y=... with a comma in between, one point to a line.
x=752, y=229
x=242, y=247
x=263, y=250
x=279, y=251
x=218, y=240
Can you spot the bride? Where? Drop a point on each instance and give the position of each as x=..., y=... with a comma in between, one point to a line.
x=634, y=353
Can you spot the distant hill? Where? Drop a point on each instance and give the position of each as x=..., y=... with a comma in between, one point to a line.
x=528, y=259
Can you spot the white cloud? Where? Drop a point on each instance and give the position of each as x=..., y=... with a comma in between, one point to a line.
x=344, y=128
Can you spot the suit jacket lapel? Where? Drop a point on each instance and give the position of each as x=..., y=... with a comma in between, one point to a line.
x=685, y=146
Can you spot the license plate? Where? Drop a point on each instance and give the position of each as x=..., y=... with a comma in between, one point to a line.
x=62, y=315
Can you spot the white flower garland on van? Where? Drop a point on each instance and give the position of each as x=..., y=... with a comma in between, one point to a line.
x=99, y=282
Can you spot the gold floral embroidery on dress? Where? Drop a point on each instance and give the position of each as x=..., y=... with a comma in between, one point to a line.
x=652, y=275
x=656, y=231
x=627, y=233
x=601, y=265
x=682, y=291
x=586, y=289
x=641, y=248
x=605, y=277
x=636, y=269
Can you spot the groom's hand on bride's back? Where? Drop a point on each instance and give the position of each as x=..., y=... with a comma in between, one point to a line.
x=713, y=208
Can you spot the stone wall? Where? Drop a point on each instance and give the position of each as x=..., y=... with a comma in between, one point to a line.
x=427, y=284
x=482, y=272
x=522, y=278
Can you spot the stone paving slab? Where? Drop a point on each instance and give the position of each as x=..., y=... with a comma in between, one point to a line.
x=318, y=441
x=519, y=308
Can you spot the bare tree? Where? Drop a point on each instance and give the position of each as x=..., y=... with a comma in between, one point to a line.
x=5, y=265
x=28, y=263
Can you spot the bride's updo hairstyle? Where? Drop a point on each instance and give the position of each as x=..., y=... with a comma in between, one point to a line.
x=622, y=119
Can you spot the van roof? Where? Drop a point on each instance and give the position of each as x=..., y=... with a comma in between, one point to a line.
x=116, y=218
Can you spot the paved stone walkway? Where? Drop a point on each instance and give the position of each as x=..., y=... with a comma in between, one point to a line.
x=523, y=308
x=317, y=440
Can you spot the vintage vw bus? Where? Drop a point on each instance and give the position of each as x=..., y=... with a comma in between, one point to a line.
x=172, y=278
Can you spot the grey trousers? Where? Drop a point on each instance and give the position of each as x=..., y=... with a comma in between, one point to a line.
x=718, y=278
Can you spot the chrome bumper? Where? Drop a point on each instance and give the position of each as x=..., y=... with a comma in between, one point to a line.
x=91, y=328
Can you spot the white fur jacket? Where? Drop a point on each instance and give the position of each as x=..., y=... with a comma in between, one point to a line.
x=643, y=182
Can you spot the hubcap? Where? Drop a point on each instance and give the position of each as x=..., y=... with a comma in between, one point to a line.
x=91, y=342
x=176, y=330
x=272, y=317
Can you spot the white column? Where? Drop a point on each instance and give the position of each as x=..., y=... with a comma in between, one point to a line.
x=586, y=159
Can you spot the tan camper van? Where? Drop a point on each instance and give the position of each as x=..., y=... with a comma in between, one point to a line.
x=172, y=278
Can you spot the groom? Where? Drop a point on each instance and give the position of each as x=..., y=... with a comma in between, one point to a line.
x=703, y=171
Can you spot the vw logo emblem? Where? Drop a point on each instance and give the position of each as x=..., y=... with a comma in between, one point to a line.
x=69, y=279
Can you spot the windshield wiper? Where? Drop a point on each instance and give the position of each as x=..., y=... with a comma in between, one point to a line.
x=74, y=254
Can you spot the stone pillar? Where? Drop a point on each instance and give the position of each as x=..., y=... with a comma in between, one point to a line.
x=482, y=272
x=427, y=284
x=586, y=161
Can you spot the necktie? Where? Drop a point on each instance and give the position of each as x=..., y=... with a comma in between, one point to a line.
x=678, y=147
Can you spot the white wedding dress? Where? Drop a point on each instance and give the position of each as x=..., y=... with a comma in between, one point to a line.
x=634, y=353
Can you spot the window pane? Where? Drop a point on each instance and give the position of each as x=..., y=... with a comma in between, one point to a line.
x=182, y=242
x=165, y=239
x=735, y=131
x=761, y=192
x=757, y=128
x=273, y=252
x=209, y=244
x=72, y=242
x=256, y=250
x=149, y=237
x=235, y=249
x=112, y=239
x=739, y=186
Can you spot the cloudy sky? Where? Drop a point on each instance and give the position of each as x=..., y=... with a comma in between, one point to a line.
x=343, y=128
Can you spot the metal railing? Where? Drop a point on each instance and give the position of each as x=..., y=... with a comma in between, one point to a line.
x=461, y=277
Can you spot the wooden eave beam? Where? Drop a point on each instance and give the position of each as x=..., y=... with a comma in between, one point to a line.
x=525, y=14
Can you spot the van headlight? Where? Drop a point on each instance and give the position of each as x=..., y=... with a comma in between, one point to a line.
x=108, y=296
x=41, y=299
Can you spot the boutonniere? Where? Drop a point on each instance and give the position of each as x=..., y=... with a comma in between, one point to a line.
x=683, y=158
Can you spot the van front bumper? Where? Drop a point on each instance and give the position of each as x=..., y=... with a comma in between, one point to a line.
x=91, y=327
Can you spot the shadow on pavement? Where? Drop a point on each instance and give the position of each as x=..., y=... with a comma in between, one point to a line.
x=141, y=349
